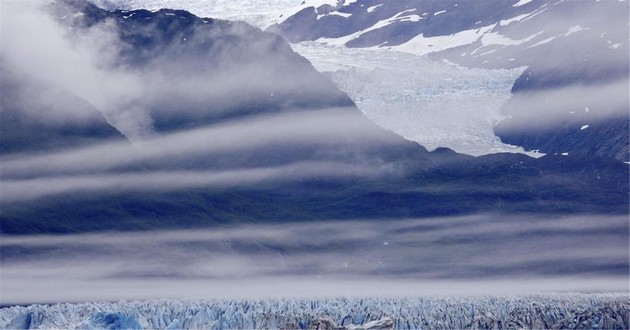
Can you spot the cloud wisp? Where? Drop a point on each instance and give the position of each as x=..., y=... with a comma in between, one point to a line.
x=29, y=189
x=49, y=52
x=550, y=106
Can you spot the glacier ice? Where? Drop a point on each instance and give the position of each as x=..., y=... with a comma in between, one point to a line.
x=435, y=104
x=432, y=103
x=595, y=311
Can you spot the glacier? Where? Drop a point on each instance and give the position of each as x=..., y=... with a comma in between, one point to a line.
x=435, y=104
x=574, y=311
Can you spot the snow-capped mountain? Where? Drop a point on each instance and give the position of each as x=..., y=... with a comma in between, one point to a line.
x=572, y=49
x=497, y=34
x=228, y=123
x=554, y=38
x=259, y=13
x=240, y=162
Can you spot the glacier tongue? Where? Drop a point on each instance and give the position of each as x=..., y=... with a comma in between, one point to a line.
x=434, y=104
x=597, y=311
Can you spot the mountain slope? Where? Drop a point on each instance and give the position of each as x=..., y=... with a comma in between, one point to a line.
x=31, y=122
x=565, y=44
x=229, y=125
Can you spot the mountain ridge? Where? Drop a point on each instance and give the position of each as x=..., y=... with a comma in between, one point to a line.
x=302, y=163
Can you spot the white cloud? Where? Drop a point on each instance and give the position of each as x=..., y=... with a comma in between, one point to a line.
x=434, y=256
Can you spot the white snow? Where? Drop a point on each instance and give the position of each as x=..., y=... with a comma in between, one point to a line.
x=336, y=13
x=542, y=42
x=493, y=38
x=382, y=23
x=535, y=13
x=371, y=9
x=435, y=104
x=584, y=127
x=410, y=18
x=574, y=29
x=439, y=12
x=511, y=20
x=421, y=45
x=521, y=2
x=259, y=13
x=615, y=46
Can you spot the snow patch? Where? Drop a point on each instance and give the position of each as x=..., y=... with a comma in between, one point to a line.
x=371, y=9
x=574, y=29
x=335, y=13
x=584, y=127
x=493, y=38
x=410, y=18
x=542, y=42
x=511, y=20
x=421, y=45
x=399, y=17
x=439, y=12
x=615, y=46
x=521, y=2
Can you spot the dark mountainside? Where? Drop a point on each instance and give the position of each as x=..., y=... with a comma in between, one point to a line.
x=25, y=126
x=563, y=43
x=178, y=45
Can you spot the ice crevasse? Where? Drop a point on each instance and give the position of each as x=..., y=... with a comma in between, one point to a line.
x=594, y=311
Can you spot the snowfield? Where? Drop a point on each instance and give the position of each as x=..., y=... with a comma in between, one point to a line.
x=596, y=311
x=255, y=12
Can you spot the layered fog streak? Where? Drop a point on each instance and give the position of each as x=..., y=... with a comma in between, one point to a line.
x=39, y=51
x=114, y=166
x=481, y=254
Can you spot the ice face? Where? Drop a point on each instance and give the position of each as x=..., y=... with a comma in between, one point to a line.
x=597, y=311
x=434, y=104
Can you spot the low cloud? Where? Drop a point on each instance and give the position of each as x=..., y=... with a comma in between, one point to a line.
x=583, y=102
x=385, y=257
x=328, y=127
x=201, y=74
x=37, y=50
x=29, y=189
